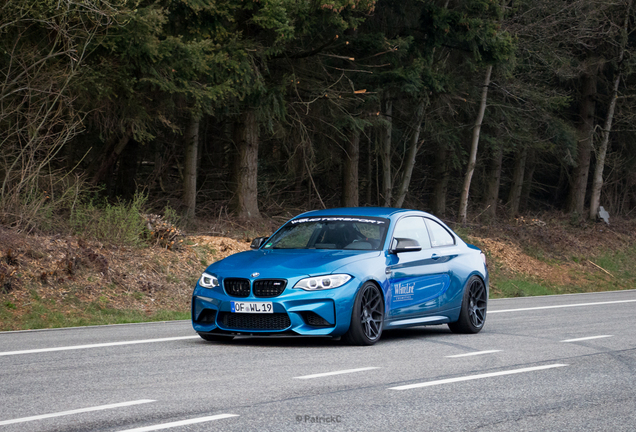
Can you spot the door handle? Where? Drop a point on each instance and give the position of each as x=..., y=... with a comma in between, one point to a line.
x=435, y=257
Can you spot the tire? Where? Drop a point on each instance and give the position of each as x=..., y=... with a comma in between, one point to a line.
x=472, y=315
x=215, y=338
x=367, y=316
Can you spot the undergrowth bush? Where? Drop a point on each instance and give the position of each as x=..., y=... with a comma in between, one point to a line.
x=120, y=223
x=41, y=204
x=59, y=204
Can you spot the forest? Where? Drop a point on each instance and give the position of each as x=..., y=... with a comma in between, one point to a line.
x=469, y=109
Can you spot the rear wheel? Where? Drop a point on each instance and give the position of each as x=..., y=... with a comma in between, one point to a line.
x=215, y=338
x=473, y=311
x=367, y=316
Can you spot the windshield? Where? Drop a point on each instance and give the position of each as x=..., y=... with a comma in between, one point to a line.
x=331, y=232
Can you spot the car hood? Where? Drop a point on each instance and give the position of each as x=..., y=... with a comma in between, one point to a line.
x=287, y=263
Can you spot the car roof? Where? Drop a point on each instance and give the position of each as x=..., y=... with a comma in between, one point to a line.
x=384, y=212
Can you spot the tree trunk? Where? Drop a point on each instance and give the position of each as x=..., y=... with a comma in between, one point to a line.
x=493, y=182
x=559, y=193
x=125, y=185
x=108, y=162
x=514, y=197
x=190, y=171
x=158, y=170
x=442, y=174
x=297, y=164
x=531, y=165
x=463, y=201
x=412, y=153
x=350, y=171
x=369, y=185
x=386, y=151
x=578, y=186
x=628, y=194
x=204, y=146
x=246, y=140
x=597, y=183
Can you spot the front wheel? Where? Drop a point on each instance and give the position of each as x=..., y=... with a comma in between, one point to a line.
x=472, y=315
x=367, y=316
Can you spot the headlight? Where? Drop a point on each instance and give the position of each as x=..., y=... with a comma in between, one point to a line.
x=208, y=281
x=323, y=282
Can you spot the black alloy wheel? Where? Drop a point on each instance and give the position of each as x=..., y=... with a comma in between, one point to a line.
x=473, y=310
x=367, y=317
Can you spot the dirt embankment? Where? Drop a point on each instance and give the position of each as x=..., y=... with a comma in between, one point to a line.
x=553, y=250
x=71, y=273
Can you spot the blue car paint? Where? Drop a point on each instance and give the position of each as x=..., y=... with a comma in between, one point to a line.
x=436, y=296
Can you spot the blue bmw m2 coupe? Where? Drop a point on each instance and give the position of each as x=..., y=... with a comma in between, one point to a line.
x=345, y=272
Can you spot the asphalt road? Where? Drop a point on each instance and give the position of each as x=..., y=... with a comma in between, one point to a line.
x=542, y=363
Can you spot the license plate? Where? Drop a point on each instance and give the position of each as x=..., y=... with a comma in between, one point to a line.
x=252, y=307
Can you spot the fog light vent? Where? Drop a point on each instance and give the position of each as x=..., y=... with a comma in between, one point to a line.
x=208, y=316
x=315, y=320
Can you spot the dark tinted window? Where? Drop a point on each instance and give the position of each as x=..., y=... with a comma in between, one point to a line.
x=439, y=235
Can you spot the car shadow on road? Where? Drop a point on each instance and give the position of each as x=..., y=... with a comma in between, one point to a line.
x=388, y=337
x=278, y=342
x=415, y=333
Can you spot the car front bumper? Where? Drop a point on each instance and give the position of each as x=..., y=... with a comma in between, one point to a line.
x=295, y=312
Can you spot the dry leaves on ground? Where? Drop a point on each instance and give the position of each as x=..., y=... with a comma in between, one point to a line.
x=56, y=268
x=515, y=260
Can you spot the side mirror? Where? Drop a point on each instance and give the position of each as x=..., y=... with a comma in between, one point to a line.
x=258, y=242
x=404, y=245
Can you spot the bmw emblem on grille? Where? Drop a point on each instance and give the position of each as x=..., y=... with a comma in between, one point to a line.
x=256, y=274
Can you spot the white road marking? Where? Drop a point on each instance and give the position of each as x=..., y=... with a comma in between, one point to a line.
x=76, y=411
x=109, y=344
x=473, y=354
x=181, y=423
x=474, y=377
x=335, y=373
x=560, y=306
x=587, y=338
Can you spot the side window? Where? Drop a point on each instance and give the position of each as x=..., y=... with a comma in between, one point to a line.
x=413, y=228
x=439, y=235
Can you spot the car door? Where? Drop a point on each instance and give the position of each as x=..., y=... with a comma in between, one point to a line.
x=445, y=251
x=416, y=279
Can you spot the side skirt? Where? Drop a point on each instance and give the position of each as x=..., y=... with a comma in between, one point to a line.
x=439, y=319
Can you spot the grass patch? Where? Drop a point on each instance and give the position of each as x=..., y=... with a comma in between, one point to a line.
x=137, y=295
x=6, y=312
x=620, y=264
x=520, y=288
x=170, y=278
x=608, y=271
x=203, y=253
x=39, y=315
x=539, y=254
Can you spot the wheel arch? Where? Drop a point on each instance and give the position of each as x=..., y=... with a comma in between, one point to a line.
x=382, y=292
x=481, y=277
x=472, y=317
x=362, y=331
